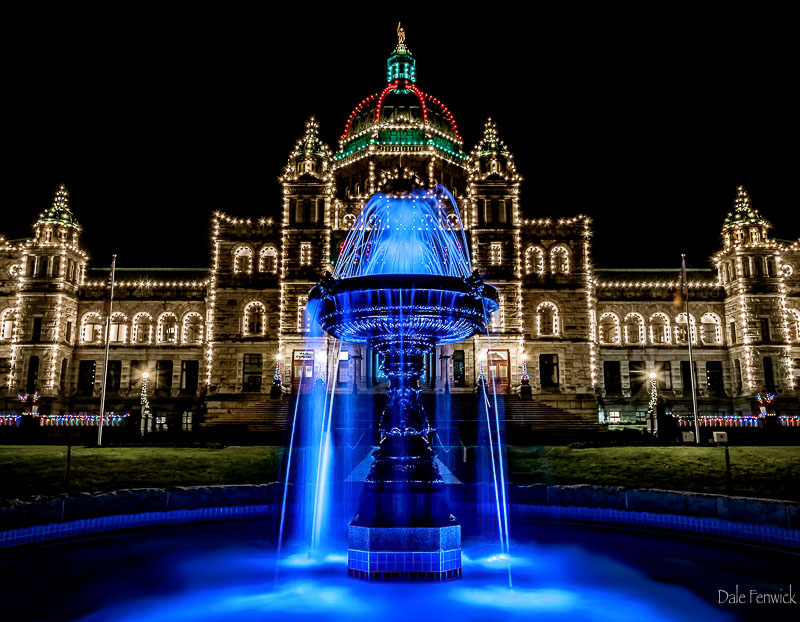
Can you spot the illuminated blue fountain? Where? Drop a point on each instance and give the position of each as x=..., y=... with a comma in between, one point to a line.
x=403, y=285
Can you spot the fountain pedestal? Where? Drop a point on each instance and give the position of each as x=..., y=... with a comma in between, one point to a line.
x=404, y=530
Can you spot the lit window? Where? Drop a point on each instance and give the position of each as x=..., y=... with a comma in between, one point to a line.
x=142, y=328
x=243, y=260
x=711, y=328
x=193, y=328
x=305, y=254
x=254, y=318
x=659, y=328
x=7, y=324
x=680, y=329
x=559, y=260
x=609, y=328
x=496, y=253
x=268, y=260
x=613, y=416
x=534, y=260
x=499, y=316
x=168, y=328
x=118, y=328
x=92, y=329
x=546, y=319
x=303, y=318
x=634, y=328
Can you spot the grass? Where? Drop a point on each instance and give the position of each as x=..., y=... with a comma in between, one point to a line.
x=769, y=472
x=41, y=469
x=772, y=472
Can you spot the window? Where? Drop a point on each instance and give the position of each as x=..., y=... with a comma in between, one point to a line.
x=56, y=266
x=459, y=369
x=92, y=328
x=5, y=368
x=495, y=253
x=681, y=332
x=348, y=220
x=634, y=328
x=559, y=260
x=609, y=328
x=663, y=370
x=113, y=376
x=714, y=380
x=612, y=377
x=268, y=260
x=36, y=333
x=737, y=376
x=251, y=373
x=163, y=374
x=33, y=373
x=638, y=377
x=192, y=328
x=190, y=371
x=613, y=416
x=43, y=263
x=303, y=318
x=710, y=327
x=548, y=370
x=86, y=373
x=499, y=317
x=142, y=328
x=7, y=324
x=641, y=416
x=254, y=318
x=118, y=328
x=305, y=254
x=763, y=323
x=546, y=319
x=769, y=373
x=68, y=332
x=733, y=332
x=659, y=328
x=168, y=328
x=534, y=260
x=243, y=260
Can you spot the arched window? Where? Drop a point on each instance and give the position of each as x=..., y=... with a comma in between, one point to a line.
x=559, y=260
x=711, y=329
x=92, y=328
x=268, y=260
x=118, y=330
x=243, y=259
x=634, y=328
x=142, y=328
x=254, y=313
x=167, y=328
x=680, y=329
x=794, y=325
x=609, y=328
x=348, y=220
x=192, y=328
x=534, y=260
x=547, y=319
x=7, y=324
x=659, y=328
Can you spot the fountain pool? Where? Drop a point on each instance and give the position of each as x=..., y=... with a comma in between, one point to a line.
x=226, y=571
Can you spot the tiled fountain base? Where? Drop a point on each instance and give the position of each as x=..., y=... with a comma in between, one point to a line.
x=413, y=554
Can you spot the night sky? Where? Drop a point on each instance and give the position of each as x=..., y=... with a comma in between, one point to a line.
x=645, y=122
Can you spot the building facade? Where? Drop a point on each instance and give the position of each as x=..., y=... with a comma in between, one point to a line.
x=215, y=341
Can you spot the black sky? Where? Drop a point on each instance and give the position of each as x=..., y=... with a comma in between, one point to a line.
x=645, y=122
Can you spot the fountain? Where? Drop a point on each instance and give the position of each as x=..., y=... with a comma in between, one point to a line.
x=403, y=284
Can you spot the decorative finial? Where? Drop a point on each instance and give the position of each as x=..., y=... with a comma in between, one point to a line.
x=401, y=34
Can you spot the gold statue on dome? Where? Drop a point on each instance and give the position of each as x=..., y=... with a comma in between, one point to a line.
x=401, y=34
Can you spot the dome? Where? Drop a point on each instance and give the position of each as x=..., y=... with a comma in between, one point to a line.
x=401, y=117
x=59, y=213
x=743, y=214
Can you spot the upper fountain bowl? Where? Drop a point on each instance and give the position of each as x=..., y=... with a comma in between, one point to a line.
x=404, y=275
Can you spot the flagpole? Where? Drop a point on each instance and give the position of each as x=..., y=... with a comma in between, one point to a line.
x=685, y=287
x=105, y=364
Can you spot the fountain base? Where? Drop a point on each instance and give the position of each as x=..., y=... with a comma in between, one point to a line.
x=409, y=554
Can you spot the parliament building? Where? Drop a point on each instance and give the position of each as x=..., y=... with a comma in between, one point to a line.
x=215, y=342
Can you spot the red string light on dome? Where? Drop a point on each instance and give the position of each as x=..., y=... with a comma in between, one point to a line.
x=421, y=97
x=356, y=110
x=392, y=86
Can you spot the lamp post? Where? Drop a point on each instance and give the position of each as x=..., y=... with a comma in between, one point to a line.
x=653, y=408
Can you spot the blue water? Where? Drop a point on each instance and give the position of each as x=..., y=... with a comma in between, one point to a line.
x=227, y=572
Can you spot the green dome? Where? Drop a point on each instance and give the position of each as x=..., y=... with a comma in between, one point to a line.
x=59, y=213
x=743, y=214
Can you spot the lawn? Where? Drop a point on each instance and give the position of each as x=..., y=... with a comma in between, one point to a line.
x=772, y=472
x=41, y=469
